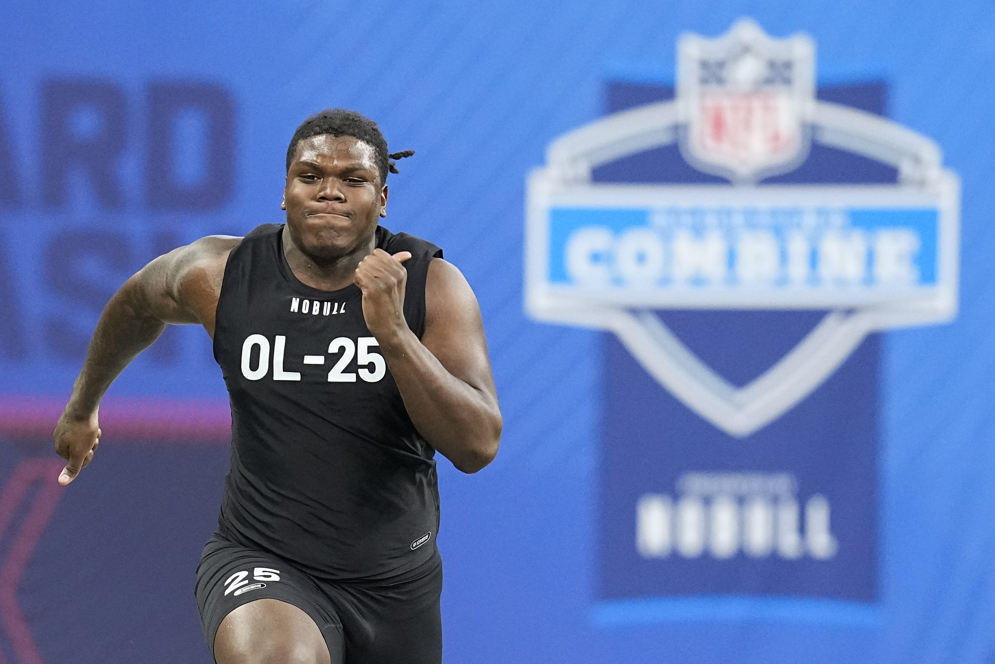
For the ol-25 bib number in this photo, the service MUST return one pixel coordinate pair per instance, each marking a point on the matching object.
(371, 366)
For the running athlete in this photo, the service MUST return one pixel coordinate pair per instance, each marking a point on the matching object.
(351, 354)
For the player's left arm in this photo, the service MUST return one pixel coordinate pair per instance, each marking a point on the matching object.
(445, 378)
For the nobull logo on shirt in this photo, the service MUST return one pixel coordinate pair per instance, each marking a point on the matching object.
(743, 239)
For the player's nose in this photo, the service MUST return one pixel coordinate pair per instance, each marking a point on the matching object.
(331, 189)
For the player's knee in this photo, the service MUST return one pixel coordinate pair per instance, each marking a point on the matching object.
(271, 651)
(269, 632)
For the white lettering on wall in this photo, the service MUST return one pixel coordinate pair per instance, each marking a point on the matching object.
(832, 258)
(732, 513)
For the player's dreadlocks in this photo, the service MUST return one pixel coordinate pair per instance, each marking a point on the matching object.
(340, 122)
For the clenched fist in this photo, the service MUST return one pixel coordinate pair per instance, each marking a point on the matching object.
(76, 439)
(382, 279)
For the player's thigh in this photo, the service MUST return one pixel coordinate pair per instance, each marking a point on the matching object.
(399, 623)
(232, 584)
(270, 631)
(413, 639)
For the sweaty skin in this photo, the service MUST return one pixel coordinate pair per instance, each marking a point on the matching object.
(333, 199)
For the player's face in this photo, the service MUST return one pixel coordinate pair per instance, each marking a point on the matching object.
(333, 197)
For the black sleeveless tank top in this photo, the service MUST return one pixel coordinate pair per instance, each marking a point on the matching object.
(327, 471)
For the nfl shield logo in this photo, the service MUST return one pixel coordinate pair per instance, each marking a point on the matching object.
(746, 100)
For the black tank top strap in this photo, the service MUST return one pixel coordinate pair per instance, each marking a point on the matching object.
(263, 229)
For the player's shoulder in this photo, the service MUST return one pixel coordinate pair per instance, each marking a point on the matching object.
(221, 245)
(446, 288)
(206, 256)
(208, 249)
(215, 244)
(443, 272)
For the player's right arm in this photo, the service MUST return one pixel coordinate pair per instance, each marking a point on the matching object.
(182, 288)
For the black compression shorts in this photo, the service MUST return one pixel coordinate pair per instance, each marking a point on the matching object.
(368, 622)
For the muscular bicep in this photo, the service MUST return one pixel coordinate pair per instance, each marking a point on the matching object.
(454, 331)
(182, 287)
(154, 296)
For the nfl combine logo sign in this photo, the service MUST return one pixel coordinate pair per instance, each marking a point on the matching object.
(728, 481)
(746, 102)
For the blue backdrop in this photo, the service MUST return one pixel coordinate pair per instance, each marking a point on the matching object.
(128, 128)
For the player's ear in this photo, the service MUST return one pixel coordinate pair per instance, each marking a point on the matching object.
(283, 203)
(383, 201)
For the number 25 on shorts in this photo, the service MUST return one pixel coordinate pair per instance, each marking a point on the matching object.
(240, 579)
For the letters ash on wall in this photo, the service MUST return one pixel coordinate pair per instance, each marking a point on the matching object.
(741, 240)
